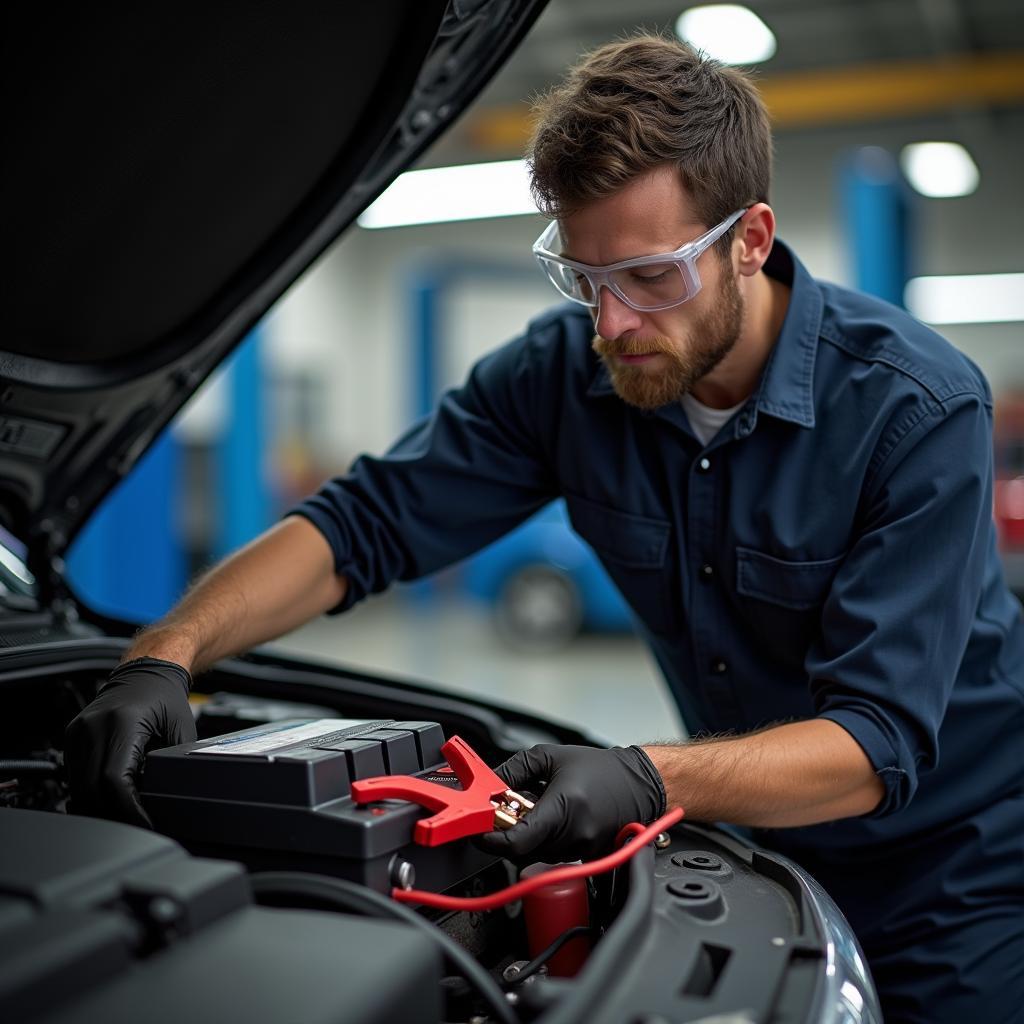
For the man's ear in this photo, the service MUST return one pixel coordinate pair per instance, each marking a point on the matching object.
(755, 233)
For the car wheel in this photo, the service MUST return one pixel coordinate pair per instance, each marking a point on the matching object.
(538, 608)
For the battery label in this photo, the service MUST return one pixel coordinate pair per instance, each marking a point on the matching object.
(281, 735)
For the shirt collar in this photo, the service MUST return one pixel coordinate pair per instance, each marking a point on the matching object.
(786, 389)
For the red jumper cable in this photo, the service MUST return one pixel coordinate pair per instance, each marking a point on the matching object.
(483, 804)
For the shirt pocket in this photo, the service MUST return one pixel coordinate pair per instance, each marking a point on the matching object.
(784, 599)
(634, 549)
(794, 585)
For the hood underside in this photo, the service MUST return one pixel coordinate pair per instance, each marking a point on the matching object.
(169, 172)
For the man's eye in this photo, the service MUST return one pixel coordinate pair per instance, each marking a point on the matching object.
(656, 278)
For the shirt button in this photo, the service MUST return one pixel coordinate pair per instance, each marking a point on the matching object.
(719, 667)
(707, 572)
(704, 466)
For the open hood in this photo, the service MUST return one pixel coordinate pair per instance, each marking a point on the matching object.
(169, 172)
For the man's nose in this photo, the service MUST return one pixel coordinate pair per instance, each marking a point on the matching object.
(614, 317)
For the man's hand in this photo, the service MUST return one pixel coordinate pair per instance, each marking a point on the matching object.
(143, 704)
(278, 581)
(591, 794)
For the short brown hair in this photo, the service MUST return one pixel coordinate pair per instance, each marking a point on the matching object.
(633, 105)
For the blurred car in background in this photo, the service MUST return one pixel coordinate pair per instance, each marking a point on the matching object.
(545, 585)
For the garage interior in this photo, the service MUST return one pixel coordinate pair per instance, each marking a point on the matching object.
(389, 317)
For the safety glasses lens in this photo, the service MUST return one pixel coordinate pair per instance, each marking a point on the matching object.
(570, 283)
(651, 285)
(648, 286)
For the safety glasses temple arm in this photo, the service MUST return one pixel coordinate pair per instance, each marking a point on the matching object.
(716, 232)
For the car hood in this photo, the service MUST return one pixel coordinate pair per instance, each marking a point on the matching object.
(169, 172)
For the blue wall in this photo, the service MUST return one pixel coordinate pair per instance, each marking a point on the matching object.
(130, 560)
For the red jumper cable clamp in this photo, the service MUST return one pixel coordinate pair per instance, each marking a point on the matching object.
(483, 804)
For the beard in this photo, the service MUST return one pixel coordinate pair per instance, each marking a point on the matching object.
(711, 339)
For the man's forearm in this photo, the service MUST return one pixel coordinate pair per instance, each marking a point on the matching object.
(274, 584)
(800, 773)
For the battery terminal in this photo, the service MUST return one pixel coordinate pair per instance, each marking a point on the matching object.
(510, 808)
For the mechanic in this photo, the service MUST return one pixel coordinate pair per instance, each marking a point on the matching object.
(789, 481)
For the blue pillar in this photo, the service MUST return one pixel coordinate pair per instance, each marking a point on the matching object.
(129, 561)
(244, 500)
(876, 203)
(425, 293)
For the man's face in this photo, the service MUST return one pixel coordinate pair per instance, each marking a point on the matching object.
(654, 358)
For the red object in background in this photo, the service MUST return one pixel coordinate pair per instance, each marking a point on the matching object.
(1008, 496)
(460, 812)
(551, 910)
(1009, 512)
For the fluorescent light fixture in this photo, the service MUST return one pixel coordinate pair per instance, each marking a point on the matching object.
(967, 298)
(728, 32)
(939, 170)
(466, 192)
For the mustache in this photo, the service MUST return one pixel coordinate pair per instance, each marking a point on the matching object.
(634, 346)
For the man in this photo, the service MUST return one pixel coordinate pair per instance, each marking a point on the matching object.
(791, 484)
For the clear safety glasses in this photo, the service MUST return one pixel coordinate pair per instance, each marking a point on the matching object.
(645, 283)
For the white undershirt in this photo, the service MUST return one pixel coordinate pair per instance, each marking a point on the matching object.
(705, 421)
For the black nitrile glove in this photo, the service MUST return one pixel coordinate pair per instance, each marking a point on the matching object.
(591, 794)
(143, 705)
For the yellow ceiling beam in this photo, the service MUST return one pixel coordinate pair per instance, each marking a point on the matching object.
(867, 92)
(870, 92)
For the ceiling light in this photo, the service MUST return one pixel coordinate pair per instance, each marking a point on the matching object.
(466, 192)
(939, 169)
(967, 298)
(728, 32)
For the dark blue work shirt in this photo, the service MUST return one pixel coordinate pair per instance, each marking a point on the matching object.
(830, 552)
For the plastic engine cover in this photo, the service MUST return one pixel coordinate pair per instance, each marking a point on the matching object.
(101, 922)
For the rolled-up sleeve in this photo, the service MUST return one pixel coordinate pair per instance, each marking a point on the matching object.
(897, 619)
(451, 484)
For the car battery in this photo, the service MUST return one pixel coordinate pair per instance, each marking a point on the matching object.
(277, 797)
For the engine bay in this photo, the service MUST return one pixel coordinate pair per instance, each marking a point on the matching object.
(257, 835)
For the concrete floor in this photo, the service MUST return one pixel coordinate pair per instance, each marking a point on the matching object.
(608, 684)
